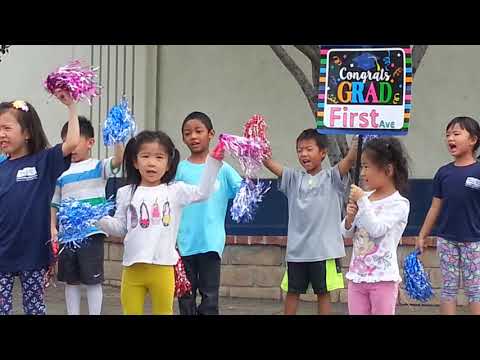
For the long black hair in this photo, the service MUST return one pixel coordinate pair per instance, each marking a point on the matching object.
(384, 151)
(131, 174)
(30, 123)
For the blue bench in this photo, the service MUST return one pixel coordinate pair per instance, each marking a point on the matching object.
(272, 216)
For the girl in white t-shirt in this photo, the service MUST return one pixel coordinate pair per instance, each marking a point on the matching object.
(376, 220)
(148, 215)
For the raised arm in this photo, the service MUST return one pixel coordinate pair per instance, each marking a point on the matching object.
(274, 167)
(72, 139)
(188, 194)
(118, 156)
(348, 161)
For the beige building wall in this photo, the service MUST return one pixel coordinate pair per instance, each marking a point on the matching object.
(233, 82)
(25, 67)
(445, 86)
(22, 72)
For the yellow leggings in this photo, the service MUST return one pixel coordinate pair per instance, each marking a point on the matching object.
(158, 280)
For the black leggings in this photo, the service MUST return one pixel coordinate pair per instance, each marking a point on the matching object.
(203, 272)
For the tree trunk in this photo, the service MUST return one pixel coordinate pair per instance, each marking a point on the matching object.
(310, 91)
(418, 53)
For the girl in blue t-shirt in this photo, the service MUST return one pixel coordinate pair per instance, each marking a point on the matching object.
(27, 183)
(456, 199)
(201, 237)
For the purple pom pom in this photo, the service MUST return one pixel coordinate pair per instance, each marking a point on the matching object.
(250, 153)
(79, 81)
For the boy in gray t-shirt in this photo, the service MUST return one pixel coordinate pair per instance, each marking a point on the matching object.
(314, 207)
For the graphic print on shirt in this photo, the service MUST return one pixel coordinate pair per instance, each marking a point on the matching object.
(27, 174)
(472, 183)
(156, 213)
(368, 254)
(166, 214)
(362, 248)
(312, 188)
(144, 220)
(133, 216)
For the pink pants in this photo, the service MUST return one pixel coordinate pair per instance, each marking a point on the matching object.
(372, 298)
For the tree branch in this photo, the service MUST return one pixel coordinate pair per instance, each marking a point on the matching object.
(418, 53)
(298, 74)
(337, 145)
(342, 144)
(3, 50)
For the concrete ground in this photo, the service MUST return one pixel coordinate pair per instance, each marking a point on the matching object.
(228, 306)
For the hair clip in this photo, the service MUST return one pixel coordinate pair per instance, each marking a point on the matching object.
(20, 105)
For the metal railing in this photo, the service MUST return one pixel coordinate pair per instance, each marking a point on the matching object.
(116, 76)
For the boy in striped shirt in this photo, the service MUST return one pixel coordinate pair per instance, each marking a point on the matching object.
(85, 180)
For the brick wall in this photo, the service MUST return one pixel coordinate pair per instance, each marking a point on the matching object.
(113, 261)
(253, 267)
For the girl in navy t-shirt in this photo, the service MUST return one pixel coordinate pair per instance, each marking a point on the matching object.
(456, 200)
(27, 183)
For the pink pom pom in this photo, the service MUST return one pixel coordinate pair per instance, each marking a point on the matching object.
(248, 152)
(78, 80)
(182, 284)
(217, 153)
(251, 149)
(256, 128)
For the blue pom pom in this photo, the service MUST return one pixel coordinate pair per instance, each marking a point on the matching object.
(119, 125)
(77, 220)
(417, 283)
(367, 138)
(247, 200)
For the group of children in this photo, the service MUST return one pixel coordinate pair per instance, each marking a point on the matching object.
(170, 208)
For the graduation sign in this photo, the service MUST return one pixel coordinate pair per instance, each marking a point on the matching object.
(365, 91)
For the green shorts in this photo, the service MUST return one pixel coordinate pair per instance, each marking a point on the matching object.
(323, 276)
